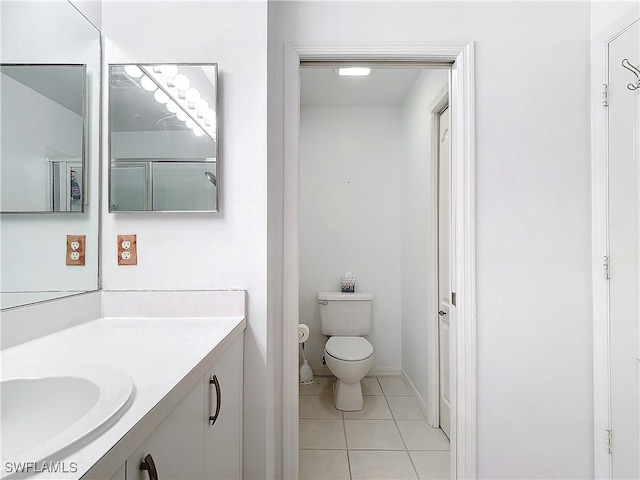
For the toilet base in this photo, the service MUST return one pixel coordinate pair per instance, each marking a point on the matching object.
(348, 396)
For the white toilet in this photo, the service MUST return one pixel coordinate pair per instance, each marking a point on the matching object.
(346, 318)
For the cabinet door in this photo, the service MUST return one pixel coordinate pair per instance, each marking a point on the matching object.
(176, 445)
(223, 439)
(120, 474)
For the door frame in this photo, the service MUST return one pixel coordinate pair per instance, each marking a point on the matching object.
(433, 347)
(600, 245)
(463, 320)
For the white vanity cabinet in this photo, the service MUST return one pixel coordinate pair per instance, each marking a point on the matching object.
(185, 445)
(223, 439)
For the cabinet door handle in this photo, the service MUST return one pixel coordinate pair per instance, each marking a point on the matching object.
(214, 381)
(150, 467)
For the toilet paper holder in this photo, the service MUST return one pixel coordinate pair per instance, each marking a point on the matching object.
(303, 333)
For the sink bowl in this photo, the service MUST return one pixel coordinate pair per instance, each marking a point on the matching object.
(52, 413)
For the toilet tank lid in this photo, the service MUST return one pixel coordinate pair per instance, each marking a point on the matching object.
(344, 296)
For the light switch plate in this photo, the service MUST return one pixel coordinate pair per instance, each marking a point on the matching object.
(127, 250)
(75, 249)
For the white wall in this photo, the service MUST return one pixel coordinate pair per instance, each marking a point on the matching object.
(535, 414)
(219, 251)
(91, 9)
(350, 190)
(604, 13)
(178, 145)
(419, 243)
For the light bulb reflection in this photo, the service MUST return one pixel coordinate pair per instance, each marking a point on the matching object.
(181, 82)
(148, 84)
(181, 115)
(169, 70)
(172, 106)
(133, 71)
(202, 105)
(192, 95)
(160, 96)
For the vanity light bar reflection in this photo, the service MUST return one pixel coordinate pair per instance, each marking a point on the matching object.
(172, 88)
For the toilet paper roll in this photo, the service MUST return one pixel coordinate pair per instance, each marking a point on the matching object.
(303, 333)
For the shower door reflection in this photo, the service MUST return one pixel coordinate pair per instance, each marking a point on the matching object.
(129, 186)
(66, 185)
(154, 185)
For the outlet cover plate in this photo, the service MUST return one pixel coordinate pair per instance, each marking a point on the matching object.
(75, 249)
(127, 250)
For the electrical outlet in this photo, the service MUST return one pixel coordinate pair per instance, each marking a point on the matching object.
(75, 249)
(127, 250)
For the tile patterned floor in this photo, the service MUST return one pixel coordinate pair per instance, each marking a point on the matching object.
(389, 439)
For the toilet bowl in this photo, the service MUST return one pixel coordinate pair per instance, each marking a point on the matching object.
(349, 359)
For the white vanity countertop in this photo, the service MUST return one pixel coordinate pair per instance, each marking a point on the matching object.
(165, 357)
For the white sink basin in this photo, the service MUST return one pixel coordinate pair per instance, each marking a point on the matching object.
(52, 413)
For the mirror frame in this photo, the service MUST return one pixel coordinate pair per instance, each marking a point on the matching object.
(85, 120)
(216, 140)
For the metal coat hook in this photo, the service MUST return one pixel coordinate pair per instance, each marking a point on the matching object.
(634, 70)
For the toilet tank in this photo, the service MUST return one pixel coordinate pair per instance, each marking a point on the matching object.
(345, 314)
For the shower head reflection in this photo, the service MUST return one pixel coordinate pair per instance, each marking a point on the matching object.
(211, 177)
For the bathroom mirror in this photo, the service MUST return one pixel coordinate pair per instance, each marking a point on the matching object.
(42, 112)
(163, 138)
(50, 77)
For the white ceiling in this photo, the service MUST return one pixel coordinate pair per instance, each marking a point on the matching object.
(322, 86)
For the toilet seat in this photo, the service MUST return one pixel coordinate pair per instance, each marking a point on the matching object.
(349, 348)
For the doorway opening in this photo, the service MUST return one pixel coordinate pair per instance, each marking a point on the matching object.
(368, 205)
(462, 249)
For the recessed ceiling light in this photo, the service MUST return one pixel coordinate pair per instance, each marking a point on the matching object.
(354, 71)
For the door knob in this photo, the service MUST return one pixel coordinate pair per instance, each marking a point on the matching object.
(442, 313)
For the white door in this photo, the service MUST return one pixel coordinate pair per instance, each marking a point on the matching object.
(624, 252)
(444, 276)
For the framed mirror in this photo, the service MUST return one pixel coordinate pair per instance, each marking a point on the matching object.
(163, 132)
(43, 116)
(50, 150)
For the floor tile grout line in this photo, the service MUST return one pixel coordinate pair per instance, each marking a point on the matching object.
(346, 442)
(393, 417)
(415, 469)
(406, 449)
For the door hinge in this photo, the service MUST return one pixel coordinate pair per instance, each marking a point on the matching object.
(606, 267)
(607, 441)
(605, 95)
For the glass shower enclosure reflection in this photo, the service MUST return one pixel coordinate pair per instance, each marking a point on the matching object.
(162, 185)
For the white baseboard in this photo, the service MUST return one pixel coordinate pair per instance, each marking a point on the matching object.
(421, 403)
(321, 372)
(384, 371)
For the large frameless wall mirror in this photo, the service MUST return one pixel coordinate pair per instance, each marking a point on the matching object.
(163, 138)
(49, 155)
